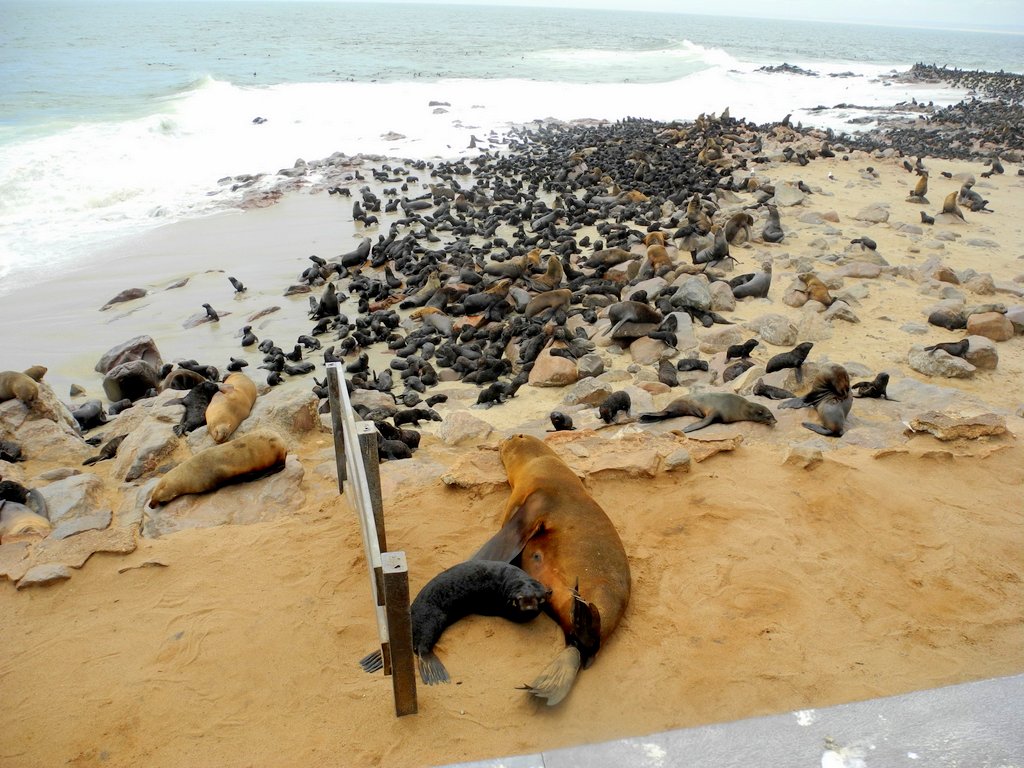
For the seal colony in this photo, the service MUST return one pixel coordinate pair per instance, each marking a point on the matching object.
(565, 244)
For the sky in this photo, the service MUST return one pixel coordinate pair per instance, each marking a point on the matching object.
(950, 14)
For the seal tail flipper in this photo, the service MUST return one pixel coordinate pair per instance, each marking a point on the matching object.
(555, 682)
(820, 429)
(655, 416)
(373, 662)
(432, 671)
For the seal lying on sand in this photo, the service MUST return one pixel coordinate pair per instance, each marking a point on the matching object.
(246, 457)
(561, 537)
(482, 587)
(723, 407)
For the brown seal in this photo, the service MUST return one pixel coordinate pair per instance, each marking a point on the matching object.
(831, 397)
(712, 407)
(815, 289)
(249, 456)
(657, 237)
(230, 407)
(16, 385)
(557, 298)
(564, 540)
(738, 225)
(658, 256)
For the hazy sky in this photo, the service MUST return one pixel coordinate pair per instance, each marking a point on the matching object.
(942, 13)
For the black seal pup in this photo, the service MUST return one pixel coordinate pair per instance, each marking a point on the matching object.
(712, 407)
(874, 388)
(196, 402)
(482, 587)
(793, 359)
(613, 405)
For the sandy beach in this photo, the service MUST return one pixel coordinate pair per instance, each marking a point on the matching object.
(762, 582)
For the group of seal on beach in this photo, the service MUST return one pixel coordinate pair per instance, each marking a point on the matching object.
(467, 265)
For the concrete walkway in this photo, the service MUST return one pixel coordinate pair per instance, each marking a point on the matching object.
(974, 725)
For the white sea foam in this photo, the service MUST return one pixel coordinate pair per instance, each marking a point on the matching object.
(63, 193)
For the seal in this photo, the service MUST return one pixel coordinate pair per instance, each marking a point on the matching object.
(772, 232)
(772, 393)
(230, 406)
(874, 388)
(17, 521)
(15, 385)
(181, 378)
(476, 587)
(741, 351)
(196, 402)
(712, 407)
(793, 359)
(613, 405)
(737, 228)
(815, 289)
(561, 537)
(830, 395)
(622, 312)
(246, 458)
(955, 348)
(557, 298)
(108, 451)
(754, 284)
(562, 422)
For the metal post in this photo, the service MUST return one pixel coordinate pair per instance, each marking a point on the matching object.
(396, 591)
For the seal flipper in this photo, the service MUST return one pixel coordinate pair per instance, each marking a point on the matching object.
(432, 671)
(508, 542)
(555, 682)
(820, 429)
(373, 662)
(705, 422)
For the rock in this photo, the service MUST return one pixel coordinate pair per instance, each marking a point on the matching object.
(814, 327)
(77, 496)
(685, 337)
(722, 298)
(138, 348)
(679, 459)
(992, 325)
(859, 269)
(774, 329)
(875, 214)
(693, 291)
(831, 216)
(590, 365)
(291, 412)
(473, 469)
(257, 501)
(803, 456)
(551, 371)
(128, 294)
(41, 575)
(983, 285)
(590, 392)
(938, 363)
(1016, 317)
(12, 559)
(914, 328)
(840, 310)
(370, 398)
(720, 339)
(982, 353)
(133, 379)
(96, 522)
(640, 400)
(646, 351)
(144, 449)
(788, 195)
(461, 426)
(947, 426)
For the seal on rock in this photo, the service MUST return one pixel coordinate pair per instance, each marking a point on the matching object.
(712, 407)
(230, 406)
(246, 457)
(874, 388)
(480, 587)
(561, 537)
(15, 385)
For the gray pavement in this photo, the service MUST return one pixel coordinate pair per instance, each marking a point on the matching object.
(974, 725)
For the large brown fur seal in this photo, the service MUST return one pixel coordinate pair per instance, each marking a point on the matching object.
(562, 538)
(247, 456)
(230, 407)
(712, 407)
(481, 587)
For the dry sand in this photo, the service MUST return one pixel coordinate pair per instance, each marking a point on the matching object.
(759, 587)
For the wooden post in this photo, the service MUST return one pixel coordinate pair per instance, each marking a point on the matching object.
(335, 380)
(403, 667)
(367, 432)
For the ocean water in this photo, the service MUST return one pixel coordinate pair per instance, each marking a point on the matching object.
(116, 117)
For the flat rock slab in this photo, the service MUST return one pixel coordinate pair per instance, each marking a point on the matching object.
(41, 575)
(957, 427)
(96, 522)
